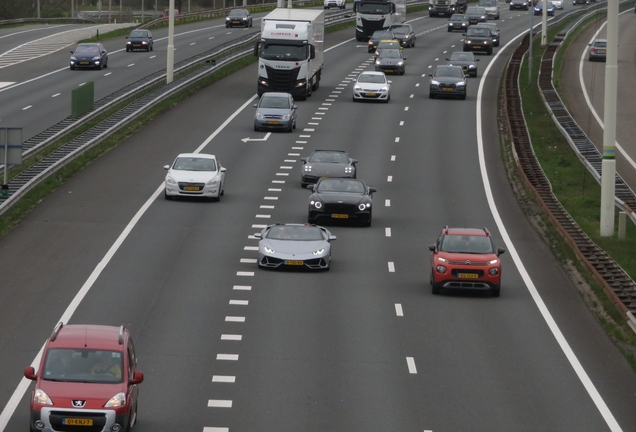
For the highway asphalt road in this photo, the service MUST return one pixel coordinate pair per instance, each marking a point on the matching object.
(363, 347)
(585, 78)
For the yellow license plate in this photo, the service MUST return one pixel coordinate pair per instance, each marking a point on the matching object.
(77, 422)
(84, 63)
(272, 122)
(294, 262)
(340, 216)
(477, 46)
(371, 94)
(468, 276)
(192, 188)
(236, 22)
(601, 51)
(390, 70)
(447, 89)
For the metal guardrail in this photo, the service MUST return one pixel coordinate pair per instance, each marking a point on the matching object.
(46, 21)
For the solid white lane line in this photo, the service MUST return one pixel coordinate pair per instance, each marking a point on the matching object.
(239, 302)
(411, 364)
(398, 309)
(387, 232)
(230, 357)
(233, 337)
(242, 287)
(391, 267)
(217, 403)
(244, 273)
(248, 260)
(223, 378)
(234, 319)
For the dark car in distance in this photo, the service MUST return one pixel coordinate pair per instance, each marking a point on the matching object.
(390, 61)
(326, 163)
(448, 81)
(238, 18)
(476, 14)
(341, 200)
(89, 56)
(139, 40)
(478, 38)
(518, 4)
(458, 22)
(404, 34)
(466, 60)
(494, 33)
(377, 36)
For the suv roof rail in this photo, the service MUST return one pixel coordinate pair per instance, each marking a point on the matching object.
(56, 330)
(121, 335)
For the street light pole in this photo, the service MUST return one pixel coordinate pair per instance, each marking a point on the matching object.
(544, 22)
(608, 167)
(170, 56)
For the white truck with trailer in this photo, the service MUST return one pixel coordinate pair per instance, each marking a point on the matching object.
(372, 15)
(291, 51)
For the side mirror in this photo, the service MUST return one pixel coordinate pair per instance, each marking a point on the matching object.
(390, 82)
(303, 159)
(403, 58)
(430, 75)
(312, 52)
(354, 161)
(332, 237)
(166, 167)
(29, 373)
(258, 235)
(447, 59)
(463, 34)
(311, 187)
(476, 59)
(257, 45)
(71, 52)
(138, 378)
(372, 189)
(223, 169)
(255, 105)
(500, 251)
(294, 106)
(126, 37)
(432, 248)
(466, 75)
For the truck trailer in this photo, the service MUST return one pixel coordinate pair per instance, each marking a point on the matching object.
(291, 52)
(372, 15)
(446, 7)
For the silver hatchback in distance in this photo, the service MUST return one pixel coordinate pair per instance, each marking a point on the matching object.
(598, 50)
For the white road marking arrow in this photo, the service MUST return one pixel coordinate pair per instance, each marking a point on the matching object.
(257, 139)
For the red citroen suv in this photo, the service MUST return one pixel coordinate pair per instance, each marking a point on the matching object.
(465, 258)
(87, 379)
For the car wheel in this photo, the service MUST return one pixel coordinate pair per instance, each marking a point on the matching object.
(72, 67)
(496, 291)
(435, 289)
(431, 96)
(152, 48)
(166, 196)
(450, 30)
(311, 220)
(490, 51)
(402, 72)
(290, 127)
(413, 43)
(147, 49)
(294, 124)
(100, 67)
(256, 128)
(368, 222)
(127, 50)
(106, 64)
(463, 97)
(303, 184)
(388, 98)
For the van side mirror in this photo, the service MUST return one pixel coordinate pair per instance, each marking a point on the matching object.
(257, 45)
(138, 378)
(312, 52)
(29, 373)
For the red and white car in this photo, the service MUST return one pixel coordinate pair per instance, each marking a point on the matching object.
(86, 380)
(465, 258)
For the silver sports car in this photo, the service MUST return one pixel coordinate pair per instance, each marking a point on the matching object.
(295, 246)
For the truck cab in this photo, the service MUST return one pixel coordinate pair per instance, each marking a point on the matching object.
(372, 15)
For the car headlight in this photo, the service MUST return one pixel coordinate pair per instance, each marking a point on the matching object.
(170, 180)
(407, 36)
(363, 206)
(268, 250)
(434, 82)
(118, 400)
(144, 43)
(96, 58)
(319, 251)
(370, 42)
(440, 269)
(286, 117)
(307, 168)
(384, 89)
(227, 18)
(316, 204)
(213, 181)
(357, 88)
(483, 17)
(40, 397)
(259, 115)
(348, 170)
(468, 41)
(463, 24)
(461, 83)
(244, 18)
(377, 62)
(493, 271)
(129, 43)
(73, 58)
(400, 63)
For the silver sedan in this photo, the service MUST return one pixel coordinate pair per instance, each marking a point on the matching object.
(372, 86)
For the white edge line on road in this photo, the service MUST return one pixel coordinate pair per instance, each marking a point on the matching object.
(589, 102)
(554, 328)
(23, 386)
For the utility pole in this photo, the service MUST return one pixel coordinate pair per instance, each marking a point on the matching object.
(608, 167)
(170, 56)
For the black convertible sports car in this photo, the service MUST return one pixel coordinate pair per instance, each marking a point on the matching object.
(326, 163)
(340, 199)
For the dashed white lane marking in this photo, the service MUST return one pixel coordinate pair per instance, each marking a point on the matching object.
(193, 43)
(391, 267)
(320, 113)
(274, 189)
(244, 273)
(130, 65)
(326, 104)
(389, 179)
(27, 107)
(235, 319)
(269, 207)
(309, 130)
(387, 232)
(263, 216)
(314, 123)
(223, 378)
(406, 108)
(331, 100)
(293, 154)
(282, 174)
(81, 84)
(261, 226)
(239, 302)
(398, 309)
(108, 73)
(216, 429)
(233, 337)
(211, 38)
(252, 248)
(411, 96)
(387, 203)
(320, 108)
(248, 260)
(242, 287)
(229, 357)
(286, 167)
(56, 95)
(304, 136)
(270, 198)
(392, 158)
(153, 56)
(278, 181)
(217, 403)
(397, 139)
(411, 364)
(418, 84)
(402, 123)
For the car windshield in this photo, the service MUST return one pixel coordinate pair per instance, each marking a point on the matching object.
(194, 164)
(385, 45)
(454, 72)
(372, 78)
(138, 34)
(238, 13)
(341, 185)
(466, 244)
(87, 49)
(487, 2)
(475, 11)
(600, 44)
(478, 32)
(390, 53)
(83, 365)
(297, 233)
(284, 52)
(274, 102)
(328, 157)
(461, 57)
(405, 28)
(382, 35)
(375, 8)
(458, 17)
